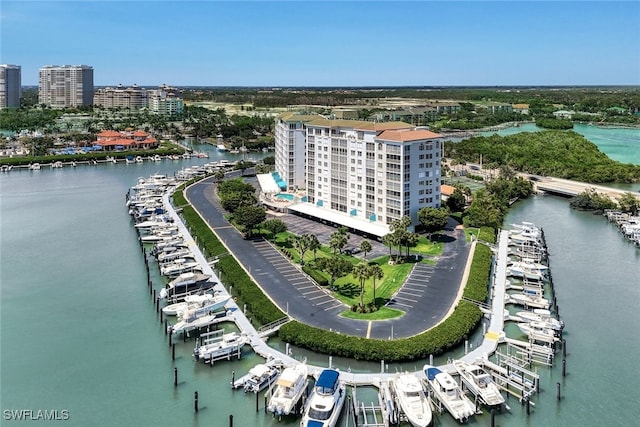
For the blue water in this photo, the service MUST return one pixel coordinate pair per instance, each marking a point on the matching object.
(285, 196)
(78, 330)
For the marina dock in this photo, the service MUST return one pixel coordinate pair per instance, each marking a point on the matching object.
(509, 365)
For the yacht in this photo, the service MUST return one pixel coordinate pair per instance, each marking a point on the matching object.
(178, 266)
(539, 331)
(290, 387)
(218, 345)
(479, 383)
(449, 394)
(260, 377)
(186, 284)
(528, 270)
(411, 398)
(539, 315)
(325, 401)
(221, 147)
(196, 318)
(528, 300)
(177, 253)
(191, 302)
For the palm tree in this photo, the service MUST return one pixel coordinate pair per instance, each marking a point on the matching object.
(338, 240)
(302, 243)
(376, 274)
(365, 247)
(361, 272)
(314, 244)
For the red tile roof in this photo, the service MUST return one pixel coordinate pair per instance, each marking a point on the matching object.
(408, 135)
(109, 134)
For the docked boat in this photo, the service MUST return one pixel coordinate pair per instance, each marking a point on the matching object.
(539, 315)
(177, 253)
(179, 266)
(528, 270)
(479, 383)
(539, 331)
(290, 387)
(260, 377)
(221, 147)
(526, 300)
(186, 284)
(411, 399)
(325, 401)
(34, 167)
(447, 391)
(197, 318)
(218, 345)
(191, 302)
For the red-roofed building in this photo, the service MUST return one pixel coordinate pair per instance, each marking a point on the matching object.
(129, 140)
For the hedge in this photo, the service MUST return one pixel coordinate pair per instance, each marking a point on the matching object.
(316, 276)
(451, 332)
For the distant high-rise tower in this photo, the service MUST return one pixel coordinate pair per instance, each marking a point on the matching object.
(66, 85)
(10, 86)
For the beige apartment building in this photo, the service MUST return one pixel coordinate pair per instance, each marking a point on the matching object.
(65, 86)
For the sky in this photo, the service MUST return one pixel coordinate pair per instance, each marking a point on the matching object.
(327, 43)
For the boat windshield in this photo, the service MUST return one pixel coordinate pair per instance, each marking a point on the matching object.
(319, 414)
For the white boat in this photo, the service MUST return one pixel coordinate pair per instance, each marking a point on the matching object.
(179, 266)
(186, 284)
(261, 376)
(196, 318)
(411, 398)
(528, 270)
(221, 147)
(539, 315)
(34, 166)
(139, 159)
(290, 387)
(449, 393)
(196, 301)
(479, 383)
(165, 256)
(56, 165)
(534, 301)
(539, 331)
(325, 401)
(218, 345)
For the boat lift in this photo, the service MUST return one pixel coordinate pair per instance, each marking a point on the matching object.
(370, 415)
(509, 372)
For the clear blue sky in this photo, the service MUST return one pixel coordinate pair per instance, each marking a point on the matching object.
(327, 43)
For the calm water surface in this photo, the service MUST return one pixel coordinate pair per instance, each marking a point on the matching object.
(78, 331)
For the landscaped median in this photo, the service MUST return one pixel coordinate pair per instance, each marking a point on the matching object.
(451, 332)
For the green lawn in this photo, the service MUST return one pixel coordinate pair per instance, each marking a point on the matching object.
(383, 313)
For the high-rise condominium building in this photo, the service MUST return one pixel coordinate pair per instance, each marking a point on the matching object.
(10, 86)
(132, 98)
(358, 173)
(165, 103)
(66, 86)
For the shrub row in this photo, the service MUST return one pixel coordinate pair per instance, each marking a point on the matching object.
(478, 281)
(487, 234)
(247, 292)
(96, 155)
(316, 276)
(447, 335)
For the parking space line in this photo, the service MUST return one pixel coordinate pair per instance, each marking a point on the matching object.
(406, 299)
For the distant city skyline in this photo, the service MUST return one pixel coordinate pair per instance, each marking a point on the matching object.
(326, 43)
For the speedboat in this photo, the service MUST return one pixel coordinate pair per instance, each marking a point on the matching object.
(186, 284)
(527, 300)
(217, 345)
(411, 398)
(260, 377)
(196, 318)
(177, 253)
(290, 387)
(196, 301)
(325, 401)
(479, 383)
(449, 393)
(528, 270)
(221, 147)
(539, 331)
(179, 266)
(539, 315)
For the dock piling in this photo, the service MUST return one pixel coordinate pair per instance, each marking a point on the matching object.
(233, 378)
(230, 420)
(175, 377)
(493, 418)
(173, 352)
(528, 403)
(558, 396)
(195, 401)
(564, 348)
(257, 402)
(564, 367)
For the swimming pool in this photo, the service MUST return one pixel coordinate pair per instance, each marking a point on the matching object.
(285, 196)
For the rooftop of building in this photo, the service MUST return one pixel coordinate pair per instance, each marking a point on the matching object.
(403, 135)
(358, 124)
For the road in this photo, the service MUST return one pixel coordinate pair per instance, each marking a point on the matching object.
(426, 296)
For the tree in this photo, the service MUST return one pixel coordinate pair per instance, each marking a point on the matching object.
(302, 244)
(628, 203)
(262, 168)
(314, 244)
(242, 165)
(361, 272)
(274, 226)
(411, 240)
(433, 219)
(485, 210)
(249, 216)
(338, 240)
(218, 175)
(389, 240)
(456, 201)
(365, 247)
(335, 266)
(376, 274)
